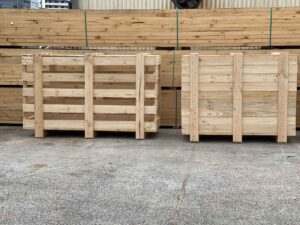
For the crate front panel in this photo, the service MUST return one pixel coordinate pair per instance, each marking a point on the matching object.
(114, 93)
(259, 95)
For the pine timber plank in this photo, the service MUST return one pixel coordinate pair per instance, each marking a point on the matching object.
(237, 98)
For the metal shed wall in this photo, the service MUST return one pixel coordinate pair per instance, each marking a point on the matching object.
(249, 3)
(125, 4)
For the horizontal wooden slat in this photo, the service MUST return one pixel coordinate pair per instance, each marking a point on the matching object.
(78, 125)
(250, 108)
(227, 95)
(79, 77)
(103, 60)
(99, 93)
(260, 86)
(247, 78)
(104, 109)
(123, 60)
(266, 126)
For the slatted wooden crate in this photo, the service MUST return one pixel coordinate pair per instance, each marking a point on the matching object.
(239, 95)
(99, 98)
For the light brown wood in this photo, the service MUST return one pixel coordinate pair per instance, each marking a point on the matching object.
(93, 104)
(38, 96)
(11, 74)
(237, 122)
(10, 105)
(89, 95)
(194, 97)
(199, 27)
(157, 89)
(283, 83)
(140, 96)
(239, 106)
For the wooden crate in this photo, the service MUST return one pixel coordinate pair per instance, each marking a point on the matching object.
(170, 77)
(239, 95)
(106, 100)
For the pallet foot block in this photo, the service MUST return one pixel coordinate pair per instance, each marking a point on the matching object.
(95, 93)
(239, 95)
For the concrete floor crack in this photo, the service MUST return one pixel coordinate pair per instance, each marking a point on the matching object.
(182, 193)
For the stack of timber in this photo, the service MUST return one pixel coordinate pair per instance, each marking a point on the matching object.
(166, 28)
(100, 98)
(239, 95)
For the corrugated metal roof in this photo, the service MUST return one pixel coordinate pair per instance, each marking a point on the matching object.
(167, 4)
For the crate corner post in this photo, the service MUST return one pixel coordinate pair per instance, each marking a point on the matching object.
(237, 97)
(89, 95)
(194, 97)
(140, 96)
(283, 89)
(38, 96)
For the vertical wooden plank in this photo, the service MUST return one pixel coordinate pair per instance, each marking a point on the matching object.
(140, 96)
(38, 96)
(25, 85)
(194, 97)
(237, 120)
(157, 91)
(283, 83)
(89, 95)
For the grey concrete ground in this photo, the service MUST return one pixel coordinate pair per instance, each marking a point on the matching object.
(114, 179)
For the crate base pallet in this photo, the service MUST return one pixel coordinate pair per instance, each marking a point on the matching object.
(94, 100)
(239, 95)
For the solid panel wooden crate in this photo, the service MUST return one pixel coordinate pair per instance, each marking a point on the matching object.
(107, 100)
(239, 95)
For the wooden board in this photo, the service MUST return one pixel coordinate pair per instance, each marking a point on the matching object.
(199, 27)
(170, 112)
(298, 109)
(102, 98)
(10, 105)
(239, 95)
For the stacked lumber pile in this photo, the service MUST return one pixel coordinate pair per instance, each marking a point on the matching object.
(169, 28)
(239, 95)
